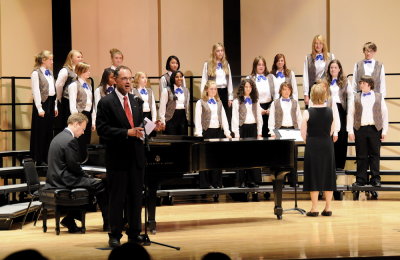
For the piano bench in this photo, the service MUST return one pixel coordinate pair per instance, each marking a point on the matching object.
(64, 199)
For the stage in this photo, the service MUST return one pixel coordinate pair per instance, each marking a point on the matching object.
(242, 230)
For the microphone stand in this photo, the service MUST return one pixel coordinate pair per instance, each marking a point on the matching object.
(146, 239)
(301, 211)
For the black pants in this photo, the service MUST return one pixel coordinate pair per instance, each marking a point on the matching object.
(42, 130)
(223, 95)
(126, 188)
(368, 152)
(211, 177)
(96, 188)
(249, 175)
(341, 143)
(265, 118)
(178, 124)
(84, 139)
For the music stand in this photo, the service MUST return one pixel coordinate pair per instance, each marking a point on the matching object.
(146, 239)
(296, 208)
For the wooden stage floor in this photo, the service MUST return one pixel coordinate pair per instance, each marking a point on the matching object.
(247, 230)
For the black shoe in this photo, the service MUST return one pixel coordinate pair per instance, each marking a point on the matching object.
(113, 242)
(242, 185)
(376, 183)
(358, 184)
(312, 214)
(138, 239)
(326, 213)
(252, 185)
(71, 225)
(207, 187)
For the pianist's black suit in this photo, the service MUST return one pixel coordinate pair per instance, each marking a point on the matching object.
(65, 172)
(124, 162)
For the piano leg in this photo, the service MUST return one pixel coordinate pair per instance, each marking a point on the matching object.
(278, 181)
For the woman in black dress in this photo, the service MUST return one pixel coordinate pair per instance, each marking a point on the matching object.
(319, 159)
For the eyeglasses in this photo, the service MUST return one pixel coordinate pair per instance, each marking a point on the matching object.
(125, 79)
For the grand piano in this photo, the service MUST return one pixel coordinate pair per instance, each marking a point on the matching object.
(177, 155)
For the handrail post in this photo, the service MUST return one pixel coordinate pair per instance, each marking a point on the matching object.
(13, 118)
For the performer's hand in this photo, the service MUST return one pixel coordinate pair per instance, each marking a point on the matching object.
(306, 100)
(55, 113)
(351, 137)
(41, 114)
(383, 137)
(273, 136)
(267, 112)
(230, 103)
(159, 126)
(335, 138)
(259, 136)
(229, 136)
(93, 128)
(136, 132)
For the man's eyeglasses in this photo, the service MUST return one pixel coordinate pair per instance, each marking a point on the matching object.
(125, 79)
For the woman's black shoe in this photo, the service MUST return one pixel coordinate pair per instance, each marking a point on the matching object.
(312, 214)
(326, 213)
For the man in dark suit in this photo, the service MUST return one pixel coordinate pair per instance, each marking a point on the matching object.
(65, 172)
(119, 116)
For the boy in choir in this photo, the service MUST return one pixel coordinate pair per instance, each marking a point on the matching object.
(211, 122)
(370, 67)
(285, 111)
(146, 94)
(367, 124)
(247, 122)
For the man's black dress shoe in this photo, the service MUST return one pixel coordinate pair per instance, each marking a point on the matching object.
(312, 214)
(376, 183)
(71, 225)
(358, 184)
(152, 227)
(252, 185)
(139, 239)
(242, 185)
(326, 213)
(113, 242)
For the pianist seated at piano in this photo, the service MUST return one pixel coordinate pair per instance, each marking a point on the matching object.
(247, 122)
(211, 122)
(65, 172)
(284, 111)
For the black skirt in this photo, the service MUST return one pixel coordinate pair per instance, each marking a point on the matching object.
(42, 130)
(178, 124)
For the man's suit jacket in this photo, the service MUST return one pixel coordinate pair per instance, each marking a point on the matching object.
(112, 124)
(64, 170)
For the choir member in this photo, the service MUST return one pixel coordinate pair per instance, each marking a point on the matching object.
(141, 90)
(116, 58)
(173, 64)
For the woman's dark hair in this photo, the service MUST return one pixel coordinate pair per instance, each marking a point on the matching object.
(104, 78)
(341, 79)
(286, 71)
(167, 67)
(253, 94)
(172, 82)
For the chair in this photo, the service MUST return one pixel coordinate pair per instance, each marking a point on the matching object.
(33, 183)
(64, 199)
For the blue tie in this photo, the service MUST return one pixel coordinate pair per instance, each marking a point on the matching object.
(47, 73)
(85, 86)
(319, 57)
(178, 91)
(286, 99)
(109, 90)
(367, 61)
(280, 75)
(211, 101)
(333, 82)
(143, 91)
(219, 65)
(248, 101)
(261, 77)
(366, 94)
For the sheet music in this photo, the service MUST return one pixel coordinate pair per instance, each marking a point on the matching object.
(290, 134)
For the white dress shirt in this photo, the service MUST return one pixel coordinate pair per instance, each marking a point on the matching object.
(319, 70)
(180, 102)
(214, 123)
(146, 104)
(335, 92)
(250, 119)
(368, 69)
(37, 99)
(73, 92)
(220, 79)
(264, 92)
(367, 116)
(287, 115)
